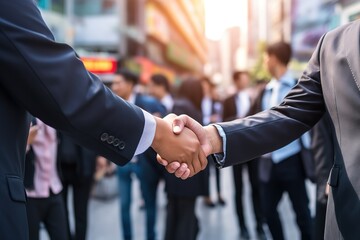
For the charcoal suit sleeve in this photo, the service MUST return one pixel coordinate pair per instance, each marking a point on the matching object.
(269, 130)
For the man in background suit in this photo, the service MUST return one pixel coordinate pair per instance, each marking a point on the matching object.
(48, 80)
(123, 85)
(281, 171)
(159, 87)
(238, 106)
(329, 84)
(212, 109)
(77, 168)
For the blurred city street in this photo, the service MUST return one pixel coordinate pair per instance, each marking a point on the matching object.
(97, 82)
(215, 223)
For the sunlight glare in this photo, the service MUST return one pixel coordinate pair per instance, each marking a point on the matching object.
(220, 15)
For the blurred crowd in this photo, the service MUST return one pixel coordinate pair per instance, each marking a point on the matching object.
(54, 162)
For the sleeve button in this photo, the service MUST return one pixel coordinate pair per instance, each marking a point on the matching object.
(110, 139)
(121, 145)
(116, 142)
(104, 137)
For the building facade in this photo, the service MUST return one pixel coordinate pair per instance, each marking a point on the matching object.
(149, 36)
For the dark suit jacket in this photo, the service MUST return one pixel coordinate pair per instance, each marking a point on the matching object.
(229, 110)
(323, 150)
(48, 80)
(84, 159)
(330, 82)
(150, 104)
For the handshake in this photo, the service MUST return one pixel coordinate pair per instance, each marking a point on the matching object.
(183, 144)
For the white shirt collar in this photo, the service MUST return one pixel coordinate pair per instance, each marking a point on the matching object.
(132, 98)
(168, 102)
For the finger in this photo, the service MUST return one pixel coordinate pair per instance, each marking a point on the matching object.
(185, 121)
(161, 161)
(172, 167)
(196, 163)
(181, 170)
(170, 116)
(179, 123)
(186, 174)
(191, 168)
(203, 160)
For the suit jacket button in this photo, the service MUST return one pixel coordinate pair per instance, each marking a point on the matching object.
(116, 142)
(104, 137)
(121, 145)
(110, 139)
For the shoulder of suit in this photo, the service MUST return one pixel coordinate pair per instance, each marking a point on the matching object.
(342, 29)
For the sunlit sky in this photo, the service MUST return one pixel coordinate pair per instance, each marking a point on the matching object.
(220, 15)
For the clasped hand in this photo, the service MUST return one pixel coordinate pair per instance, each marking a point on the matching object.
(183, 144)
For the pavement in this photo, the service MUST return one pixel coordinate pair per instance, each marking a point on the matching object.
(218, 223)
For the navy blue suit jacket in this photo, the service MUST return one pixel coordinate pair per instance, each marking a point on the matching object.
(48, 80)
(150, 104)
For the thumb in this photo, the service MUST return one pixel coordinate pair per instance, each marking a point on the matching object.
(161, 161)
(179, 123)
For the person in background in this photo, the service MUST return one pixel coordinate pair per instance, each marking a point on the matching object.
(77, 166)
(238, 106)
(181, 220)
(212, 112)
(282, 170)
(43, 186)
(159, 87)
(142, 166)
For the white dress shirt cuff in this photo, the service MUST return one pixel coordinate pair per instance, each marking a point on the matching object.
(220, 157)
(148, 134)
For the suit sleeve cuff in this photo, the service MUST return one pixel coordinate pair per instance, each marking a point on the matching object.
(219, 158)
(148, 134)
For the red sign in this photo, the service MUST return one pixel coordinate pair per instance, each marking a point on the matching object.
(100, 65)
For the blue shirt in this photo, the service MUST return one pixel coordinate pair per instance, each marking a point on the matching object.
(284, 84)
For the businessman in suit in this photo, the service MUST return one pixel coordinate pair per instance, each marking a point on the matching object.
(48, 80)
(281, 171)
(329, 84)
(77, 167)
(144, 166)
(238, 106)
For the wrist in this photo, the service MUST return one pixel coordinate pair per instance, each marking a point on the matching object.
(214, 138)
(158, 137)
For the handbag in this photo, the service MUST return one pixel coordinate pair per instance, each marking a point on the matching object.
(106, 188)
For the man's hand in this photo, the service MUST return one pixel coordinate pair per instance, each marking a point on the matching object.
(178, 149)
(182, 121)
(32, 134)
(208, 136)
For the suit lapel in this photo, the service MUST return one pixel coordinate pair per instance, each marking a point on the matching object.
(353, 53)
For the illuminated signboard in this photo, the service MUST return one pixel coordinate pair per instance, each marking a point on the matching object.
(99, 65)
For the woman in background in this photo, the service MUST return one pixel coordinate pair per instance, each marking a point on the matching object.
(181, 220)
(43, 186)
